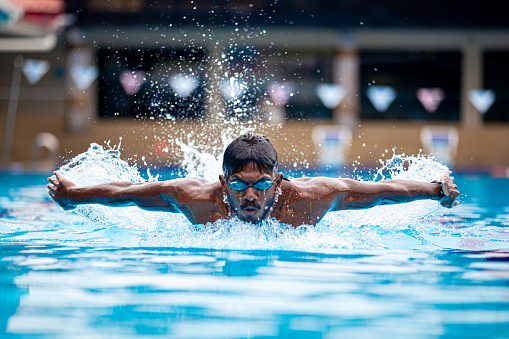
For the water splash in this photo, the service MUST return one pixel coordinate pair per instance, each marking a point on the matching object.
(207, 164)
(199, 164)
(388, 226)
(417, 168)
(100, 165)
(235, 64)
(215, 78)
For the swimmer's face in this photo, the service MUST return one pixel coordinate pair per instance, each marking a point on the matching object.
(251, 192)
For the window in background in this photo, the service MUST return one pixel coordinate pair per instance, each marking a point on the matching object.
(496, 75)
(151, 83)
(410, 85)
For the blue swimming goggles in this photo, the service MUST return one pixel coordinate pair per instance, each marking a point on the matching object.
(238, 185)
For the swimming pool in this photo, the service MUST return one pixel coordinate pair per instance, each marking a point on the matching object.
(406, 271)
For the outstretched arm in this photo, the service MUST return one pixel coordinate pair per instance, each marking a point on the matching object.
(359, 194)
(151, 196)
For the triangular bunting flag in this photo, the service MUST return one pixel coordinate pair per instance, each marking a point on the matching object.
(34, 70)
(330, 94)
(280, 92)
(233, 88)
(430, 98)
(132, 81)
(482, 99)
(83, 76)
(184, 85)
(381, 97)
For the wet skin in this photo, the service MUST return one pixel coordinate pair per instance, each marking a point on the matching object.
(251, 204)
(302, 201)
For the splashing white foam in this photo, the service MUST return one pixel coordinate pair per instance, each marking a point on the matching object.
(416, 168)
(375, 228)
(207, 164)
(199, 164)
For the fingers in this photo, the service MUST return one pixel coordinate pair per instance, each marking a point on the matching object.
(53, 180)
(449, 201)
(52, 190)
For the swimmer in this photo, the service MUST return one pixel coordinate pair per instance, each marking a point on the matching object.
(252, 189)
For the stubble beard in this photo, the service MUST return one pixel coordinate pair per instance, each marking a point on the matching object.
(265, 210)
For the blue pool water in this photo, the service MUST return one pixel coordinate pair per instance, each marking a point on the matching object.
(407, 271)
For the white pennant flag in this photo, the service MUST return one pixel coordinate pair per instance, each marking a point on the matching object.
(233, 88)
(34, 70)
(330, 94)
(482, 99)
(381, 97)
(84, 76)
(184, 85)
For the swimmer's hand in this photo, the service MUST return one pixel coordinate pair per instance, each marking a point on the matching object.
(449, 200)
(59, 189)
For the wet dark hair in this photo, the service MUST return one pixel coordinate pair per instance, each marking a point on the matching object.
(246, 149)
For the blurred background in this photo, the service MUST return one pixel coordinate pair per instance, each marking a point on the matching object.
(331, 83)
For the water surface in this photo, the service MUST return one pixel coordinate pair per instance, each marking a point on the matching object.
(412, 270)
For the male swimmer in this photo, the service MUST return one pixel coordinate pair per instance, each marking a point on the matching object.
(251, 189)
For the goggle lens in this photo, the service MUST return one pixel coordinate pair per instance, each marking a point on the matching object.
(238, 186)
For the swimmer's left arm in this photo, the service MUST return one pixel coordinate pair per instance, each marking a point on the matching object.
(360, 194)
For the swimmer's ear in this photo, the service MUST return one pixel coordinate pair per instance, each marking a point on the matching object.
(279, 179)
(222, 180)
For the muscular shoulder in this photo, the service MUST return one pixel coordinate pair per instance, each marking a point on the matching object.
(306, 200)
(199, 200)
(316, 187)
(185, 189)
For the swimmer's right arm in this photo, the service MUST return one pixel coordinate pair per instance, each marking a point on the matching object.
(149, 196)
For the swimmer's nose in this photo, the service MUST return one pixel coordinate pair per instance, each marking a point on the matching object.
(250, 195)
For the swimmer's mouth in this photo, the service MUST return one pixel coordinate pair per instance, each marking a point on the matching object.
(249, 210)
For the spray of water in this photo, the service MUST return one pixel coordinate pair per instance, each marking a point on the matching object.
(242, 101)
(374, 228)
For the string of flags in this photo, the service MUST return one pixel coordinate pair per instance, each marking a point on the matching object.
(331, 95)
(383, 96)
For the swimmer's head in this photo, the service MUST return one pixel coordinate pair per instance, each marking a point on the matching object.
(250, 181)
(250, 148)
